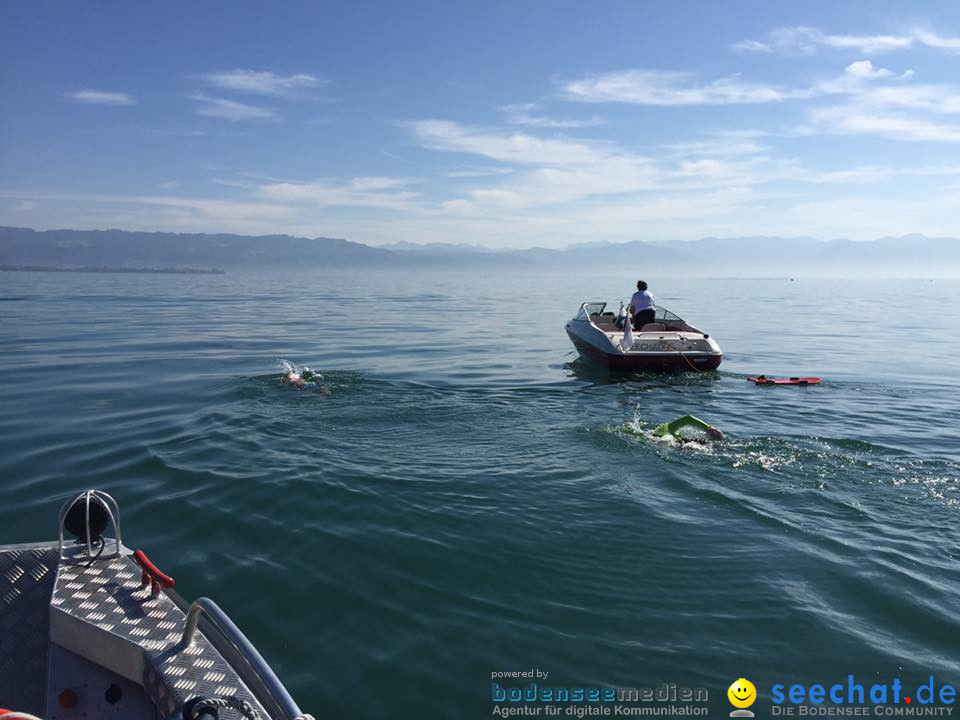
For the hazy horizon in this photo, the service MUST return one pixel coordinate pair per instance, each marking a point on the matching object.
(410, 243)
(117, 250)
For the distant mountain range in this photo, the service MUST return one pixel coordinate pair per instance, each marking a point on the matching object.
(405, 246)
(907, 256)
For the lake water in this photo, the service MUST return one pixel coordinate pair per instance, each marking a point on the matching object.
(469, 498)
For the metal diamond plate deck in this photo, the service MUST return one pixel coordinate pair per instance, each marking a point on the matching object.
(26, 582)
(143, 634)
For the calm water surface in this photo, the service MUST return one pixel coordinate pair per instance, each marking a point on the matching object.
(470, 498)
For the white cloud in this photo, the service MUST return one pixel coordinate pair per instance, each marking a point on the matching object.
(558, 171)
(521, 114)
(100, 97)
(555, 170)
(659, 87)
(230, 109)
(369, 192)
(234, 183)
(155, 212)
(854, 80)
(260, 82)
(864, 70)
(476, 171)
(853, 121)
(722, 144)
(509, 147)
(163, 132)
(868, 174)
(570, 177)
(168, 185)
(808, 40)
(933, 40)
(880, 104)
(557, 186)
(860, 78)
(751, 46)
(858, 175)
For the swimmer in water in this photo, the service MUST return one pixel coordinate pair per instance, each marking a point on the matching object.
(300, 379)
(293, 378)
(715, 434)
(674, 428)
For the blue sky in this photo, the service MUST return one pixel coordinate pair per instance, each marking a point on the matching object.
(507, 124)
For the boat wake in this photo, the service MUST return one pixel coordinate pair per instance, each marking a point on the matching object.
(808, 461)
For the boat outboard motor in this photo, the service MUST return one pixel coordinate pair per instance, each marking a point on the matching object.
(87, 517)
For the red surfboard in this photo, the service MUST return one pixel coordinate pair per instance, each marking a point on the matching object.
(764, 380)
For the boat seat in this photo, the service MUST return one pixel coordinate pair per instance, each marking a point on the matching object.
(653, 327)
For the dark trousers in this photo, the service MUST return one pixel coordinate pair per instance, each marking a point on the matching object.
(643, 317)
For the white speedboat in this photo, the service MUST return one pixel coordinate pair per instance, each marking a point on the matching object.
(668, 343)
(92, 630)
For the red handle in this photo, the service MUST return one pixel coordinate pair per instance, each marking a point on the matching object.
(150, 570)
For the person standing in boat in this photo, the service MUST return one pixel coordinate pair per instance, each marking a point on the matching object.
(642, 308)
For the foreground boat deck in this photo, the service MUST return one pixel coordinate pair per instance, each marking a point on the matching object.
(90, 640)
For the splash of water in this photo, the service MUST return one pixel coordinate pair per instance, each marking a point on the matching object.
(309, 377)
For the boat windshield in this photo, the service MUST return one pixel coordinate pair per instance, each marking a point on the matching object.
(665, 316)
(593, 309)
(590, 308)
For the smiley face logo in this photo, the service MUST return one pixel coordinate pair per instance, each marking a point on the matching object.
(742, 693)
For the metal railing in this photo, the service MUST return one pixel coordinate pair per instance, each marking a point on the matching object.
(113, 515)
(261, 673)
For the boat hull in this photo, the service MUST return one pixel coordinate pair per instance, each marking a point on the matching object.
(650, 362)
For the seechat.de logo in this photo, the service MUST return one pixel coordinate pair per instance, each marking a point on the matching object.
(742, 694)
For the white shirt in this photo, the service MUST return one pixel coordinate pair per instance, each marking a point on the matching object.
(642, 301)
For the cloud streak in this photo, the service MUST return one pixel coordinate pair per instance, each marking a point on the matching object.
(509, 147)
(173, 211)
(100, 97)
(256, 82)
(674, 88)
(230, 109)
(867, 99)
(522, 114)
(383, 193)
(803, 40)
(846, 120)
(878, 103)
